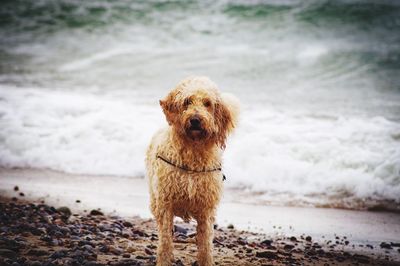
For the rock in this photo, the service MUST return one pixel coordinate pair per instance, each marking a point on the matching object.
(88, 248)
(288, 247)
(46, 238)
(293, 239)
(58, 254)
(316, 246)
(148, 251)
(180, 229)
(78, 201)
(139, 233)
(266, 242)
(242, 241)
(385, 245)
(21, 194)
(115, 251)
(151, 246)
(11, 244)
(7, 253)
(127, 224)
(397, 245)
(104, 248)
(96, 212)
(65, 211)
(230, 226)
(193, 234)
(361, 258)
(37, 252)
(126, 262)
(308, 238)
(340, 258)
(16, 188)
(266, 254)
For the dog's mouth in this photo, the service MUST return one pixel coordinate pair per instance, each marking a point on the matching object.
(195, 128)
(196, 132)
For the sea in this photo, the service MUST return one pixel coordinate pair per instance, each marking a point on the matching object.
(318, 82)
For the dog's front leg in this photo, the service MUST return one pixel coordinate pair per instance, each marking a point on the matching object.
(204, 240)
(165, 248)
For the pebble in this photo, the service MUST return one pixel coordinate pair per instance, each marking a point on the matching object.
(288, 247)
(37, 252)
(267, 242)
(115, 251)
(127, 224)
(58, 254)
(385, 245)
(7, 253)
(180, 229)
(148, 251)
(96, 212)
(65, 211)
(266, 254)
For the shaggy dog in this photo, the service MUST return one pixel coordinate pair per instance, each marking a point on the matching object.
(184, 160)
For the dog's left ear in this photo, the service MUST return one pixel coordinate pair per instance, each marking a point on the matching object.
(226, 114)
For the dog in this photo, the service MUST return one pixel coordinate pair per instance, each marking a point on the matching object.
(183, 162)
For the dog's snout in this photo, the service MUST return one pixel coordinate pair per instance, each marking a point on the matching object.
(195, 121)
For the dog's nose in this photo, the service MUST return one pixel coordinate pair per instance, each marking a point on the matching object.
(195, 121)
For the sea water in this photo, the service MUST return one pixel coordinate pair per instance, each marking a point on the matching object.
(318, 81)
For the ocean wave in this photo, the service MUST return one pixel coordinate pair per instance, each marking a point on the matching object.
(299, 156)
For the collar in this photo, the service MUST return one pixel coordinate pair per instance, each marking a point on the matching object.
(191, 170)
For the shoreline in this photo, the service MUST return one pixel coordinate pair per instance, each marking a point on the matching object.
(128, 198)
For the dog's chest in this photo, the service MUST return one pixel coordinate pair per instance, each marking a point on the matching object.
(195, 190)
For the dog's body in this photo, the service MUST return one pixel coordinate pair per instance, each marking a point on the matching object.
(183, 162)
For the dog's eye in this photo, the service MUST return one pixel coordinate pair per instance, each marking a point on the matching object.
(187, 102)
(207, 103)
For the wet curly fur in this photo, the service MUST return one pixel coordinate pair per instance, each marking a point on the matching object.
(200, 119)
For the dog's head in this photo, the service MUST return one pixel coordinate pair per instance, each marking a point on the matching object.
(199, 113)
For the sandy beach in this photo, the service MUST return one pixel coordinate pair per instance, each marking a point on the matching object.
(351, 237)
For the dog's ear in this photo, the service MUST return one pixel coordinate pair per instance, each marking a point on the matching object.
(169, 108)
(226, 115)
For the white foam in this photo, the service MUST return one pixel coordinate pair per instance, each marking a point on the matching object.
(287, 154)
(76, 133)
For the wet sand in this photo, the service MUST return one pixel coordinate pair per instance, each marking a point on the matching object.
(258, 234)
